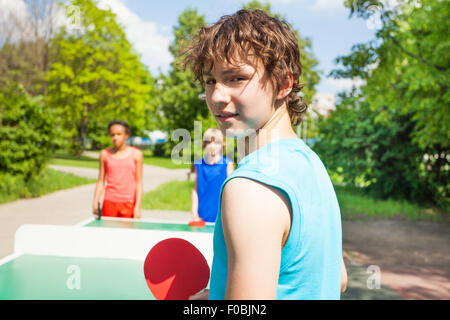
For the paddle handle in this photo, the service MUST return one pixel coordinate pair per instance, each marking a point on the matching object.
(99, 210)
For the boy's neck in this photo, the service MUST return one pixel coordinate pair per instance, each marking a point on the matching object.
(278, 127)
(213, 159)
(120, 148)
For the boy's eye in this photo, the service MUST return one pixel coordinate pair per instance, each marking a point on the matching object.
(233, 79)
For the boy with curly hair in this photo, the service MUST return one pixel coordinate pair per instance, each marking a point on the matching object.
(278, 230)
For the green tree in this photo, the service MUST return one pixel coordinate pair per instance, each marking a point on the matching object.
(376, 155)
(179, 97)
(407, 66)
(20, 64)
(406, 73)
(97, 77)
(24, 45)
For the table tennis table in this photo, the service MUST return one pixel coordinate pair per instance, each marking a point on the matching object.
(96, 259)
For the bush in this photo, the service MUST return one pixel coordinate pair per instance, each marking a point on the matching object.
(26, 132)
(383, 155)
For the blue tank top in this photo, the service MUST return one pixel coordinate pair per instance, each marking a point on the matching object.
(310, 266)
(209, 180)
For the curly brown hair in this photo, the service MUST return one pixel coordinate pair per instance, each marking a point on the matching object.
(253, 32)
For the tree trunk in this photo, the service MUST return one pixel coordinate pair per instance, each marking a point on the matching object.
(83, 130)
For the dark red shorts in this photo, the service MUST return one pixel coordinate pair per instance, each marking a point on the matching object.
(117, 209)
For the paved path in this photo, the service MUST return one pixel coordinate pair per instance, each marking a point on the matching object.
(68, 207)
(413, 258)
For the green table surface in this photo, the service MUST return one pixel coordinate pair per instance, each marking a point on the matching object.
(39, 277)
(48, 277)
(148, 225)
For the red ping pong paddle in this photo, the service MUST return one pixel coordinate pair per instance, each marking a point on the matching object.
(175, 269)
(198, 223)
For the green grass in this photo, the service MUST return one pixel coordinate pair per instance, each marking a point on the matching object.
(162, 162)
(165, 163)
(174, 195)
(64, 159)
(93, 164)
(49, 181)
(354, 204)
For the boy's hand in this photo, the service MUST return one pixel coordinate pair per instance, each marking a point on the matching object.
(195, 217)
(95, 208)
(202, 295)
(137, 213)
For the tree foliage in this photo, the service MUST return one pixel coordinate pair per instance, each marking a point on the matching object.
(178, 95)
(20, 64)
(397, 138)
(24, 45)
(376, 155)
(26, 132)
(407, 66)
(97, 77)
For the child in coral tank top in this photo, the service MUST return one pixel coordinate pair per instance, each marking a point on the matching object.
(121, 171)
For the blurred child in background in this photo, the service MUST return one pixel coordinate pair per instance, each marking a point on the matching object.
(121, 169)
(211, 171)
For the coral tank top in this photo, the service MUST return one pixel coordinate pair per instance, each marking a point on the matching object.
(120, 177)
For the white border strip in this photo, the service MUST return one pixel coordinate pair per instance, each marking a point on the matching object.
(9, 258)
(15, 255)
(84, 222)
(93, 242)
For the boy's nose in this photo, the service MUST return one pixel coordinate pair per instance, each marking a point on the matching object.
(219, 96)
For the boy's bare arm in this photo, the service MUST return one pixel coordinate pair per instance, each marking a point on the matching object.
(194, 198)
(100, 182)
(343, 277)
(139, 184)
(230, 168)
(255, 220)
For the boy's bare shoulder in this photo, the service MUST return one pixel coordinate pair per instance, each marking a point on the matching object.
(245, 203)
(249, 187)
(139, 153)
(258, 197)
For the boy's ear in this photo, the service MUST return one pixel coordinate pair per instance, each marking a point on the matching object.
(286, 87)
